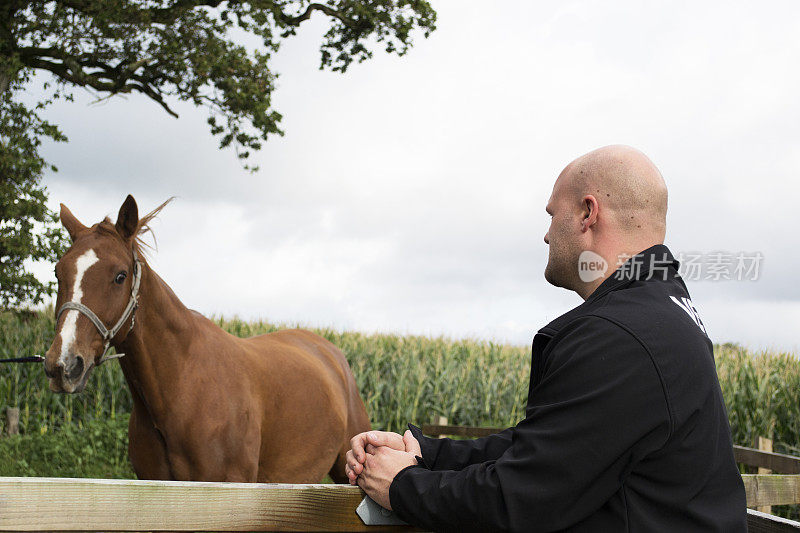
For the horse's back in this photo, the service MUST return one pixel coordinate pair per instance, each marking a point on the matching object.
(300, 345)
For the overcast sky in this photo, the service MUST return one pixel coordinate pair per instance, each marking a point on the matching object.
(408, 194)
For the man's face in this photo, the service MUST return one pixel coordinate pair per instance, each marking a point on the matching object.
(563, 237)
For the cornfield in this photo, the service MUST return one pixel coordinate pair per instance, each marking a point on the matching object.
(406, 378)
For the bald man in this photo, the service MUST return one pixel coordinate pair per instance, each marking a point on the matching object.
(625, 427)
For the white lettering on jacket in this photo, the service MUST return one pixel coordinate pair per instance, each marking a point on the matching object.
(686, 304)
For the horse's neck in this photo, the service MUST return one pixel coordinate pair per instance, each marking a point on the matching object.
(157, 346)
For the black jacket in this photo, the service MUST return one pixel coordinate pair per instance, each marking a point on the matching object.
(625, 427)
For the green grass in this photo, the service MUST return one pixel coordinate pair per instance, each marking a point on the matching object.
(99, 449)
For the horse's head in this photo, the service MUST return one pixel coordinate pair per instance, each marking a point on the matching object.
(97, 272)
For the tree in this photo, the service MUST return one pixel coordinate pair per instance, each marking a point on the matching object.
(22, 203)
(167, 50)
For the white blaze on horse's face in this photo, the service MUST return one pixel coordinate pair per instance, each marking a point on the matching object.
(68, 330)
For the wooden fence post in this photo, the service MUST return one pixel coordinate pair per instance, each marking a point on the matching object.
(12, 420)
(438, 421)
(765, 445)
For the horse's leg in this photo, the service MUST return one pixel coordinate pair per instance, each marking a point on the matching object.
(357, 422)
(146, 447)
(337, 471)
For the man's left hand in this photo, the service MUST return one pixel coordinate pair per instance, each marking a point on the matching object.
(381, 466)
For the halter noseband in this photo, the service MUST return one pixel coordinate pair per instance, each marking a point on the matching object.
(130, 311)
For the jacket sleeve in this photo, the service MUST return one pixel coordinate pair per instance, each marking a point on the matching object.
(598, 409)
(449, 454)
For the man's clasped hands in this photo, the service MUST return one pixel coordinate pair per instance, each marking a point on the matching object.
(375, 458)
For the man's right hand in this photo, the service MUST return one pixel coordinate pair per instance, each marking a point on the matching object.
(368, 442)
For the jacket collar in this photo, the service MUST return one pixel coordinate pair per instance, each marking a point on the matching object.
(655, 262)
(651, 263)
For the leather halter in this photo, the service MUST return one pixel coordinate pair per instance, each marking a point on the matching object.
(130, 311)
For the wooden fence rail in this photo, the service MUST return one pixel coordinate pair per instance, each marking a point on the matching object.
(758, 522)
(60, 504)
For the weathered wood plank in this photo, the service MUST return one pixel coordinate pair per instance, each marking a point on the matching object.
(771, 489)
(438, 421)
(764, 445)
(777, 462)
(47, 504)
(758, 522)
(12, 420)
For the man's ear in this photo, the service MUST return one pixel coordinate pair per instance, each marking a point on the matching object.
(72, 224)
(128, 218)
(590, 208)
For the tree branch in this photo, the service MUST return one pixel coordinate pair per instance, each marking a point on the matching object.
(5, 82)
(155, 96)
(114, 85)
(331, 12)
(160, 15)
(117, 74)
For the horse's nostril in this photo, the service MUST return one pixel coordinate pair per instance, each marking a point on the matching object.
(74, 369)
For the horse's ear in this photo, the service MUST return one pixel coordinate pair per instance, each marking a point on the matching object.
(128, 218)
(72, 224)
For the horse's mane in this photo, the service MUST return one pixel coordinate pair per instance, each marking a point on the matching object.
(142, 228)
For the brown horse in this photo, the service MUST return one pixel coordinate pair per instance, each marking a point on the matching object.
(207, 406)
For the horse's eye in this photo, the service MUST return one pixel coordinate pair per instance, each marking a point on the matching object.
(120, 278)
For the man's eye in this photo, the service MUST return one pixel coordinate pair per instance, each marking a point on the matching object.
(120, 278)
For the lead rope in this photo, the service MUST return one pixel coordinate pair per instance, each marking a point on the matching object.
(130, 310)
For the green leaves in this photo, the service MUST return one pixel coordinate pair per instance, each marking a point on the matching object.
(188, 49)
(28, 230)
(386, 21)
(762, 395)
(99, 450)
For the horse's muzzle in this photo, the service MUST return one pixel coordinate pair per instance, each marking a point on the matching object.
(67, 376)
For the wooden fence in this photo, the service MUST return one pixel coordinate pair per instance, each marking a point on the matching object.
(47, 504)
(59, 504)
(764, 489)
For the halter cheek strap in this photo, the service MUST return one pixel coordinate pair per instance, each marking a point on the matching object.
(130, 311)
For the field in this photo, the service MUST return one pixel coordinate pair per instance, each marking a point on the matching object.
(402, 378)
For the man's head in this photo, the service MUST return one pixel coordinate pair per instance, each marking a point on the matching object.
(611, 202)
